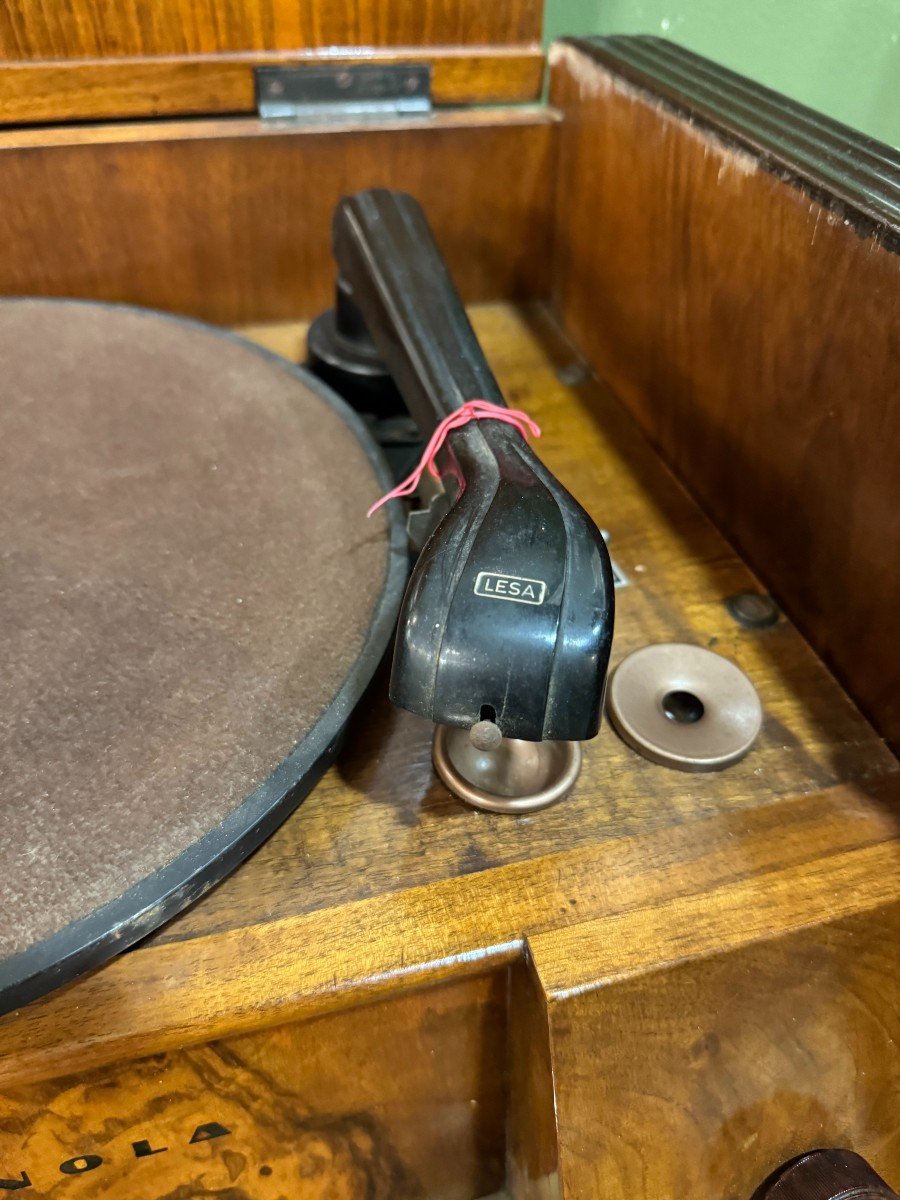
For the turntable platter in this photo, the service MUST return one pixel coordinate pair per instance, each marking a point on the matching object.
(191, 602)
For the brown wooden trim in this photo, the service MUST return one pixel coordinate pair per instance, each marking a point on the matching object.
(199, 129)
(532, 1156)
(807, 860)
(702, 1073)
(748, 317)
(230, 220)
(112, 88)
(839, 166)
(718, 921)
(124, 28)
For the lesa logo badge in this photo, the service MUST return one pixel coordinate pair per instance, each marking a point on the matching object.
(510, 587)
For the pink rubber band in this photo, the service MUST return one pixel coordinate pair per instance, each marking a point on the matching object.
(472, 410)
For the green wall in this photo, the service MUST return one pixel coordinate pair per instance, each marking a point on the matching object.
(839, 56)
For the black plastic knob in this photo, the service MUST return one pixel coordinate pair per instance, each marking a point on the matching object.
(826, 1175)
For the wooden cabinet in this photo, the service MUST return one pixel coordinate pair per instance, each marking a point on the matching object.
(668, 984)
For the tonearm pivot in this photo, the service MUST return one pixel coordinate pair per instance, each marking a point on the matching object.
(505, 631)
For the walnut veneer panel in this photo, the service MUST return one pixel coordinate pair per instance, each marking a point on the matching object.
(705, 1052)
(117, 28)
(207, 84)
(746, 306)
(395, 1101)
(231, 220)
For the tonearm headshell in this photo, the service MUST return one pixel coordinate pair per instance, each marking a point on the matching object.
(505, 632)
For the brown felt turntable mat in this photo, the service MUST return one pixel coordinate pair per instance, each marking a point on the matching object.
(187, 583)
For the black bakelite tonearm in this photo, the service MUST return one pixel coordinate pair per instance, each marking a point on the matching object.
(509, 611)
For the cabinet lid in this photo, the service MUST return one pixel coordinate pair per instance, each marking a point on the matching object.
(104, 59)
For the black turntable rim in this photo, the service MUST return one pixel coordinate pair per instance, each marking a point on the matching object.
(91, 941)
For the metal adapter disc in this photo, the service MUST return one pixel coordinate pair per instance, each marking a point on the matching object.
(684, 707)
(516, 777)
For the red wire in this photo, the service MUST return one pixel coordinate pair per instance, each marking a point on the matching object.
(472, 410)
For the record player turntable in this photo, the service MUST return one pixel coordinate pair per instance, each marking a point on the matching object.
(284, 907)
(194, 599)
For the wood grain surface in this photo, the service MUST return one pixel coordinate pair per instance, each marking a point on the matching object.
(230, 220)
(396, 1101)
(118, 28)
(380, 820)
(725, 1054)
(532, 1153)
(114, 88)
(753, 328)
(664, 985)
(382, 882)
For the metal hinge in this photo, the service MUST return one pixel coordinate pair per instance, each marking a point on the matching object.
(357, 90)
